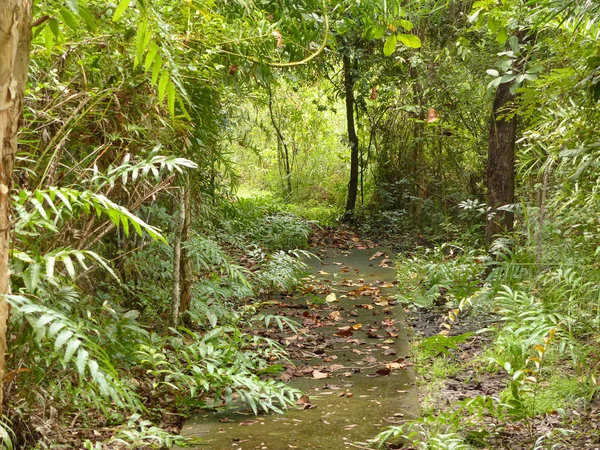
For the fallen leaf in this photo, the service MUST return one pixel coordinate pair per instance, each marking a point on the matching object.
(303, 400)
(344, 332)
(383, 372)
(395, 366)
(335, 315)
(331, 298)
(376, 255)
(317, 375)
(335, 367)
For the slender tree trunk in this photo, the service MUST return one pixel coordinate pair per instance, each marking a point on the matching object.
(352, 136)
(15, 37)
(176, 293)
(285, 154)
(501, 164)
(186, 264)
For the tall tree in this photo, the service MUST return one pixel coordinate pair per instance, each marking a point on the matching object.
(352, 136)
(501, 163)
(15, 36)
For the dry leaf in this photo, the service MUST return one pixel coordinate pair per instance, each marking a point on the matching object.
(317, 375)
(331, 298)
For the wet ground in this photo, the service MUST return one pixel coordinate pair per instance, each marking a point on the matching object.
(352, 363)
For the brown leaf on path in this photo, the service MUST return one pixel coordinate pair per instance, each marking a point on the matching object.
(344, 332)
(376, 255)
(395, 366)
(335, 367)
(318, 375)
(370, 359)
(383, 372)
(303, 400)
(372, 334)
(335, 315)
(389, 352)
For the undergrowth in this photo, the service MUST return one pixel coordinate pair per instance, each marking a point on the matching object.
(532, 329)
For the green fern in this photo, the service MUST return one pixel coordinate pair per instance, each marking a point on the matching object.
(72, 347)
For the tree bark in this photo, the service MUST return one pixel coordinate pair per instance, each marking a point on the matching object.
(186, 265)
(15, 37)
(352, 137)
(284, 155)
(501, 164)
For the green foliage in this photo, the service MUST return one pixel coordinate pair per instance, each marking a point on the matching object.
(283, 271)
(442, 272)
(217, 363)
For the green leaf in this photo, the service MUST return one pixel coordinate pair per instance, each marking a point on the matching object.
(501, 36)
(121, 8)
(139, 43)
(171, 98)
(378, 31)
(62, 338)
(73, 5)
(69, 265)
(48, 39)
(406, 24)
(162, 84)
(53, 24)
(89, 19)
(82, 359)
(69, 19)
(150, 56)
(410, 40)
(390, 45)
(156, 68)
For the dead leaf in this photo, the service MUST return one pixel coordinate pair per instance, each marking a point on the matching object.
(317, 375)
(376, 255)
(383, 372)
(395, 366)
(335, 367)
(331, 298)
(335, 315)
(303, 400)
(344, 332)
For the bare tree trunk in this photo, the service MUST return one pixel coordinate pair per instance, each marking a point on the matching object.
(352, 137)
(285, 154)
(15, 37)
(501, 164)
(186, 265)
(176, 293)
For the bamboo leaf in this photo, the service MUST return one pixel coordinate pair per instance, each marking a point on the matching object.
(120, 10)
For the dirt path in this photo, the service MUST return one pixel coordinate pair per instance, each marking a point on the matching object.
(352, 363)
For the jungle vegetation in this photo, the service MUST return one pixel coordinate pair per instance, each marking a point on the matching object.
(163, 162)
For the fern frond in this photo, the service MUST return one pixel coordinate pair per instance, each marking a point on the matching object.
(46, 208)
(71, 346)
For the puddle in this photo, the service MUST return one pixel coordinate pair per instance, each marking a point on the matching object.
(356, 401)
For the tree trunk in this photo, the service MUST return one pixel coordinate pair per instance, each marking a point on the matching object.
(501, 164)
(352, 137)
(186, 264)
(283, 154)
(15, 36)
(176, 293)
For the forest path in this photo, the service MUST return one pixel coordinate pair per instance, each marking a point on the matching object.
(351, 364)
